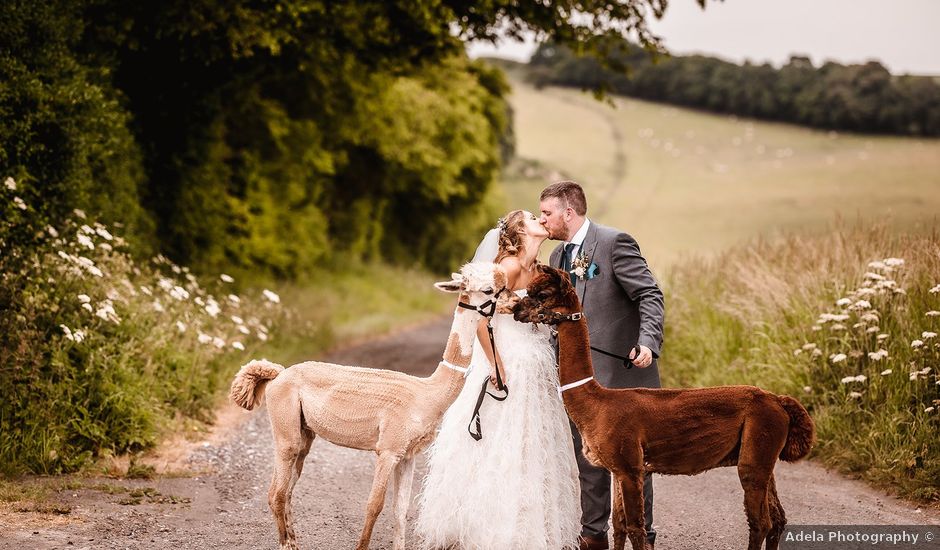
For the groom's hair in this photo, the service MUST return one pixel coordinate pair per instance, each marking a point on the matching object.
(568, 192)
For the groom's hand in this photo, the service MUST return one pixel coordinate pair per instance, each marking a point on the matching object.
(644, 359)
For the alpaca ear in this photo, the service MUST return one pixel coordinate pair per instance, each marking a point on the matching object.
(455, 285)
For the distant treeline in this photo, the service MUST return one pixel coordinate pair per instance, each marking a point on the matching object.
(267, 136)
(857, 98)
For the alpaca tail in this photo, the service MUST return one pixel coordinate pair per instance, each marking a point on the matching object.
(248, 386)
(802, 432)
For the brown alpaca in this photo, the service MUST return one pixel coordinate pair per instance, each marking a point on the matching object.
(668, 431)
(388, 412)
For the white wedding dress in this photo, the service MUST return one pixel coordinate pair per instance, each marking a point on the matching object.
(518, 486)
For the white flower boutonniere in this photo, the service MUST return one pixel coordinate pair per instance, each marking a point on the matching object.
(581, 269)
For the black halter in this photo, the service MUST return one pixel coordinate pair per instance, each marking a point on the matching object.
(555, 318)
(487, 305)
(486, 309)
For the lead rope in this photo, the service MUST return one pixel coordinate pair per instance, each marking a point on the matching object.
(484, 391)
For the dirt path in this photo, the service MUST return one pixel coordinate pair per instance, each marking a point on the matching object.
(227, 507)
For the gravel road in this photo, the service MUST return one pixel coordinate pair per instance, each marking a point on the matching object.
(226, 507)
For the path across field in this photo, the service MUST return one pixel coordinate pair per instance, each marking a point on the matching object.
(228, 507)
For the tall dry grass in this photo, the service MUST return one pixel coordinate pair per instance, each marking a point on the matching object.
(847, 322)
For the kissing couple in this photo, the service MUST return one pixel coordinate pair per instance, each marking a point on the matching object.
(526, 484)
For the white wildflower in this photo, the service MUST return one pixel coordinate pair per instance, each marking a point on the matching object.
(234, 299)
(837, 357)
(238, 345)
(238, 320)
(226, 278)
(900, 291)
(10, 184)
(872, 330)
(926, 335)
(865, 292)
(929, 409)
(204, 338)
(797, 351)
(212, 308)
(199, 301)
(84, 298)
(870, 317)
(68, 332)
(877, 265)
(894, 262)
(181, 326)
(934, 290)
(859, 378)
(179, 293)
(85, 241)
(218, 342)
(878, 355)
(243, 329)
(842, 302)
(933, 313)
(157, 306)
(104, 234)
(807, 389)
(146, 290)
(815, 327)
(817, 352)
(262, 336)
(18, 202)
(106, 247)
(861, 304)
(79, 335)
(826, 317)
(807, 347)
(51, 231)
(837, 326)
(874, 276)
(272, 297)
(886, 372)
(88, 307)
(882, 337)
(175, 269)
(79, 213)
(106, 312)
(916, 344)
(166, 284)
(855, 395)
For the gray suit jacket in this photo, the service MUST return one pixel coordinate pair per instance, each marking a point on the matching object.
(622, 303)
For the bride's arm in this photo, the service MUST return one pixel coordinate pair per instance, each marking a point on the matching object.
(513, 269)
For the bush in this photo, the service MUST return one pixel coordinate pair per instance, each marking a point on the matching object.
(847, 323)
(98, 352)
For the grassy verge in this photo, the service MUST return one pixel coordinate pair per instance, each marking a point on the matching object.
(103, 354)
(846, 322)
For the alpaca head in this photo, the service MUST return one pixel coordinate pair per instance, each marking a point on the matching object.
(481, 284)
(549, 291)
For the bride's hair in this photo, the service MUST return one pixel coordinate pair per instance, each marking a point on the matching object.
(511, 233)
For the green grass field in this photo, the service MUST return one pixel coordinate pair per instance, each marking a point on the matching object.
(690, 183)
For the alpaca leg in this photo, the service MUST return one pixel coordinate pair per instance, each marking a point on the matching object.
(778, 518)
(631, 489)
(402, 481)
(279, 494)
(284, 412)
(754, 480)
(383, 470)
(298, 466)
(618, 517)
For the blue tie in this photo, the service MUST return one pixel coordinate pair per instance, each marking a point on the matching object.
(568, 260)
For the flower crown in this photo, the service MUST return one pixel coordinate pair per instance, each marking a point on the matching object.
(501, 225)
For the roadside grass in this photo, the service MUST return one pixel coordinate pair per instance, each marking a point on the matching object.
(846, 322)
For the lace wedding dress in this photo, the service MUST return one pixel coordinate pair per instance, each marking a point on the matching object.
(518, 486)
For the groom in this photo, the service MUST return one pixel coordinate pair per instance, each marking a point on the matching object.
(624, 308)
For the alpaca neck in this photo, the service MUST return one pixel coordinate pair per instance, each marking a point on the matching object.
(574, 352)
(457, 354)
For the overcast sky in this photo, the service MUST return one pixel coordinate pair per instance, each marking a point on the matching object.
(903, 34)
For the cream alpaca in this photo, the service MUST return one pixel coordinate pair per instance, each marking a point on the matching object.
(393, 414)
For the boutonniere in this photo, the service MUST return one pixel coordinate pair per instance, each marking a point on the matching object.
(581, 269)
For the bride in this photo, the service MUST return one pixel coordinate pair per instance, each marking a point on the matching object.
(517, 487)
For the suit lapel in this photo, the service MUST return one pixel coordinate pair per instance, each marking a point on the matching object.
(587, 247)
(554, 260)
